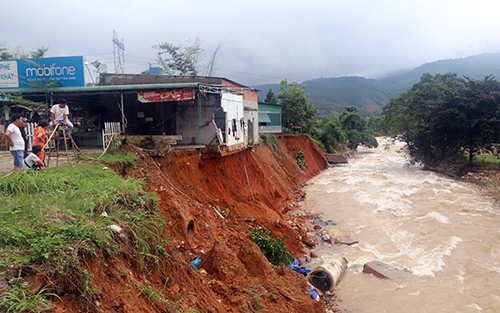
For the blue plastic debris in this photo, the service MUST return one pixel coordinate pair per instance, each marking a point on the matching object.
(298, 268)
(314, 294)
(195, 263)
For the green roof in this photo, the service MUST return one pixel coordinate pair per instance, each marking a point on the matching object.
(269, 107)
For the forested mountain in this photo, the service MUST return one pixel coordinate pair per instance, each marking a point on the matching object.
(333, 94)
(476, 66)
(369, 95)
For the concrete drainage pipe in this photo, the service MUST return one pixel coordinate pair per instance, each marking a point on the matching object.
(326, 277)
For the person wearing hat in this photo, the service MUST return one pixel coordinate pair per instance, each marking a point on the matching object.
(16, 141)
(59, 115)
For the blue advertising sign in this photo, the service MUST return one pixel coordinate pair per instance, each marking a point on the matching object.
(31, 73)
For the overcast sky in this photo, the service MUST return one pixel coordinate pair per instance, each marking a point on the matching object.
(264, 41)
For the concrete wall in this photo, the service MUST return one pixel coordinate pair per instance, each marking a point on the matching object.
(252, 120)
(250, 112)
(187, 122)
(232, 104)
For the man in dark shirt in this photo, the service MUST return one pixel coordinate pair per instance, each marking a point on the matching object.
(22, 128)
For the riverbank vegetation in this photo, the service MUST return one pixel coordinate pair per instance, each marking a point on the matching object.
(342, 131)
(52, 220)
(444, 118)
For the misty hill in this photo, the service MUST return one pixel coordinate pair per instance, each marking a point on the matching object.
(476, 66)
(333, 94)
(370, 95)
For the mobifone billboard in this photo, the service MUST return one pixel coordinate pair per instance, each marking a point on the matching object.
(37, 73)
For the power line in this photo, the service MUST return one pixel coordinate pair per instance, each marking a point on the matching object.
(139, 57)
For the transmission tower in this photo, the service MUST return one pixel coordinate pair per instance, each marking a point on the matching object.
(119, 54)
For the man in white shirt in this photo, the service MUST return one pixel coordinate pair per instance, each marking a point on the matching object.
(59, 115)
(16, 141)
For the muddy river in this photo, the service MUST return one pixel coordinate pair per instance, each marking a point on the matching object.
(442, 230)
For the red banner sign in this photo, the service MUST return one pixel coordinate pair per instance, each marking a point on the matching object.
(177, 94)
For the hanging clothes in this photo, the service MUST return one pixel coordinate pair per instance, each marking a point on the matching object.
(234, 125)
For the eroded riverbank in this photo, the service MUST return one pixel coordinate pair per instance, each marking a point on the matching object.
(209, 205)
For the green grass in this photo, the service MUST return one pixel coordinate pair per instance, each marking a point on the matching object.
(486, 160)
(269, 139)
(50, 219)
(20, 299)
(114, 156)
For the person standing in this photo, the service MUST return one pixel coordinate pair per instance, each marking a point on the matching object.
(40, 138)
(59, 115)
(16, 141)
(22, 128)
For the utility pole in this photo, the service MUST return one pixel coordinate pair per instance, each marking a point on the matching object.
(119, 54)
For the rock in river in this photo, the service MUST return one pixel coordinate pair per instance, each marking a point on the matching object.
(382, 270)
(342, 236)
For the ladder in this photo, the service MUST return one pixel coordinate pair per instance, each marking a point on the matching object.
(60, 148)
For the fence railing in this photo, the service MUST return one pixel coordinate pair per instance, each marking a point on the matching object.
(269, 129)
(30, 134)
(110, 129)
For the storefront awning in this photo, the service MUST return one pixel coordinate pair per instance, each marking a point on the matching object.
(264, 118)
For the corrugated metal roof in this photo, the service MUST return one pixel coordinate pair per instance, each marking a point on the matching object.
(267, 108)
(109, 88)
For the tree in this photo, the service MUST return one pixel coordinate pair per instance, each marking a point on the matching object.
(7, 54)
(271, 97)
(467, 121)
(295, 106)
(176, 60)
(408, 115)
(329, 133)
(16, 100)
(38, 53)
(350, 119)
(97, 64)
(376, 125)
(356, 129)
(211, 64)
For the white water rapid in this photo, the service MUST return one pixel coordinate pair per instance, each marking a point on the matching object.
(442, 230)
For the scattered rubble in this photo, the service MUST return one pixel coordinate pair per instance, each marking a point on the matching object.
(341, 236)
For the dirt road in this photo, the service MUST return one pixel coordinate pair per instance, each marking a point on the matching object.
(7, 161)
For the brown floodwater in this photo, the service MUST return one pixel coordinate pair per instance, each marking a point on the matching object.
(442, 230)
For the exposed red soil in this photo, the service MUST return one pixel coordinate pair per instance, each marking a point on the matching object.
(249, 188)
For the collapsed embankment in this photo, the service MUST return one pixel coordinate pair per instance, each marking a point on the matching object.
(210, 204)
